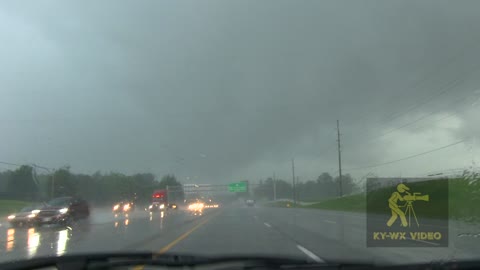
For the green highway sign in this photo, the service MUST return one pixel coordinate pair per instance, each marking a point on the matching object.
(237, 187)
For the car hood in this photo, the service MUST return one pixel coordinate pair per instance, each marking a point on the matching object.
(22, 214)
(52, 208)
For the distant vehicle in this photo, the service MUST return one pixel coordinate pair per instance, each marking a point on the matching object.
(160, 201)
(159, 196)
(62, 211)
(211, 204)
(26, 216)
(160, 206)
(156, 206)
(250, 202)
(195, 206)
(123, 207)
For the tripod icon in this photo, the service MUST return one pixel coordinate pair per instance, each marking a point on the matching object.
(409, 198)
(409, 211)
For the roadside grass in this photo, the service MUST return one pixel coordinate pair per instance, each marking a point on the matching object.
(282, 204)
(11, 206)
(463, 200)
(353, 203)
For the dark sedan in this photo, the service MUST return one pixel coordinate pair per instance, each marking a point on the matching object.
(26, 216)
(62, 211)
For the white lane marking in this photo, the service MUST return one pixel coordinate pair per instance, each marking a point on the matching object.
(423, 241)
(268, 225)
(330, 221)
(310, 254)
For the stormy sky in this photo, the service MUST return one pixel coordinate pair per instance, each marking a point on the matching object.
(217, 91)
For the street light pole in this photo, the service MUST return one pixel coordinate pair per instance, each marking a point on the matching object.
(53, 186)
(274, 188)
(52, 172)
(339, 159)
(293, 180)
(168, 196)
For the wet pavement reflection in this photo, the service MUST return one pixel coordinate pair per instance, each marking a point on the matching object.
(107, 232)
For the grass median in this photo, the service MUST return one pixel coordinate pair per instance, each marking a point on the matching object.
(463, 201)
(354, 203)
(11, 206)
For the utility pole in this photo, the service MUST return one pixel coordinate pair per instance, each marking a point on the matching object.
(339, 159)
(293, 180)
(168, 197)
(274, 188)
(53, 186)
(296, 193)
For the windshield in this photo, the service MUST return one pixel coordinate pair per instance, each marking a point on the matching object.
(29, 208)
(60, 202)
(324, 130)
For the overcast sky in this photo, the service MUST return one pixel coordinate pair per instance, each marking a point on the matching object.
(219, 91)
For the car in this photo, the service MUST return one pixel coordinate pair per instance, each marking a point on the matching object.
(26, 216)
(123, 207)
(156, 206)
(62, 211)
(250, 202)
(195, 206)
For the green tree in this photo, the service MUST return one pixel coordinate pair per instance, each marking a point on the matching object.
(175, 188)
(327, 187)
(21, 184)
(168, 180)
(64, 183)
(265, 189)
(348, 185)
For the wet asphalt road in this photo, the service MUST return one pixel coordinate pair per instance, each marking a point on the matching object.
(231, 230)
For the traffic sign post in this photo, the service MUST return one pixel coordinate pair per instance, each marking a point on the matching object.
(237, 187)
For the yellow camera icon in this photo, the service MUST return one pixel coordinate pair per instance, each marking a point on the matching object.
(417, 196)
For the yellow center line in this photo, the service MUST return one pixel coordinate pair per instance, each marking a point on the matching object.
(180, 238)
(185, 235)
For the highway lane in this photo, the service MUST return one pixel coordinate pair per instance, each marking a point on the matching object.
(332, 234)
(313, 234)
(102, 232)
(328, 235)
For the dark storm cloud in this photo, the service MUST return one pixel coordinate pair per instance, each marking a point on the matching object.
(223, 90)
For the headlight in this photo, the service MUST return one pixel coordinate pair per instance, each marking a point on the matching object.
(11, 217)
(126, 207)
(31, 215)
(63, 210)
(196, 206)
(36, 211)
(115, 207)
(150, 207)
(162, 206)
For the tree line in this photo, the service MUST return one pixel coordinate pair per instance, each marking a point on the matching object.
(99, 188)
(324, 187)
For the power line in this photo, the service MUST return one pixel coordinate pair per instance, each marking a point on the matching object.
(405, 158)
(11, 164)
(19, 165)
